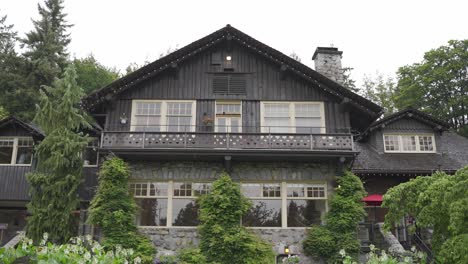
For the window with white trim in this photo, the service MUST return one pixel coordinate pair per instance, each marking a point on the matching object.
(168, 203)
(273, 204)
(410, 143)
(156, 116)
(285, 204)
(228, 117)
(293, 117)
(266, 204)
(306, 204)
(16, 150)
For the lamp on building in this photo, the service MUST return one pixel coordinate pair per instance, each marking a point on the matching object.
(286, 250)
(123, 119)
(228, 57)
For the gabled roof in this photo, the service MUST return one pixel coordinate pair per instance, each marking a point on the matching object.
(229, 33)
(33, 129)
(414, 114)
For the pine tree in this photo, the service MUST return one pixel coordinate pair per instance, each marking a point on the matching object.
(113, 210)
(46, 46)
(13, 92)
(54, 184)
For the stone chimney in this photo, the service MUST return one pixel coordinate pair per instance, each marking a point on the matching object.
(327, 61)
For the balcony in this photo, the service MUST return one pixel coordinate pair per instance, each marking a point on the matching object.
(248, 141)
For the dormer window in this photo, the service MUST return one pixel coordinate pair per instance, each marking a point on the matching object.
(16, 150)
(409, 143)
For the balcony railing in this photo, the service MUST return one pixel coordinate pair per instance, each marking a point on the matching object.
(228, 141)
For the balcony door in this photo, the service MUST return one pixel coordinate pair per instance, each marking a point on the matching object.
(228, 117)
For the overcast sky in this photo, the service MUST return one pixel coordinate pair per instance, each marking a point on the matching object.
(373, 35)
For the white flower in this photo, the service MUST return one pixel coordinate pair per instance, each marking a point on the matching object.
(45, 236)
(413, 249)
(137, 260)
(342, 252)
(372, 247)
(87, 256)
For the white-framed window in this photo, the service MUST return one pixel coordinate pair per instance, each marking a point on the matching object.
(168, 203)
(16, 151)
(409, 143)
(277, 204)
(157, 115)
(285, 204)
(293, 117)
(90, 154)
(306, 204)
(266, 204)
(228, 117)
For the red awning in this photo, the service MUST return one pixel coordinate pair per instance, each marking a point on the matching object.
(373, 199)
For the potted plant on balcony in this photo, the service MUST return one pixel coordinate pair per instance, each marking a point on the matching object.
(208, 121)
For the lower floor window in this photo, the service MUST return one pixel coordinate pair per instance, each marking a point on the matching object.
(303, 213)
(273, 204)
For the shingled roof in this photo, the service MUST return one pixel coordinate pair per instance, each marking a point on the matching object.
(412, 113)
(31, 128)
(229, 33)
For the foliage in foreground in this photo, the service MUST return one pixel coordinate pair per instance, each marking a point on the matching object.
(54, 183)
(222, 237)
(376, 257)
(79, 250)
(340, 231)
(113, 210)
(439, 202)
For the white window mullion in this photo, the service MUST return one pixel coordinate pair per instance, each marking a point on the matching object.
(170, 195)
(416, 138)
(284, 205)
(163, 116)
(292, 117)
(15, 151)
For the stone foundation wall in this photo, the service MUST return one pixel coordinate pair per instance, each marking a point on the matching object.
(169, 240)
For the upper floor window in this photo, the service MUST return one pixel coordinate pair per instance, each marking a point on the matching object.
(411, 143)
(293, 117)
(228, 117)
(156, 116)
(16, 150)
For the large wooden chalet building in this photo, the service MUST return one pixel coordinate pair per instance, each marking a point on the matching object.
(229, 102)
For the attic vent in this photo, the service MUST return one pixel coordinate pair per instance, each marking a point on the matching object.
(233, 84)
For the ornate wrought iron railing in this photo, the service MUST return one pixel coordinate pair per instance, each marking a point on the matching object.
(227, 141)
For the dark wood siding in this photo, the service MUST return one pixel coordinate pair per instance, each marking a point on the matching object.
(13, 184)
(15, 187)
(194, 82)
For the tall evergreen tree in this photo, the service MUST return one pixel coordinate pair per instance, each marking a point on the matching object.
(55, 182)
(92, 75)
(113, 210)
(438, 84)
(380, 90)
(13, 92)
(46, 46)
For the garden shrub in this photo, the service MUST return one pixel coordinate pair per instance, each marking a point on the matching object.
(113, 210)
(191, 256)
(319, 243)
(342, 220)
(222, 238)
